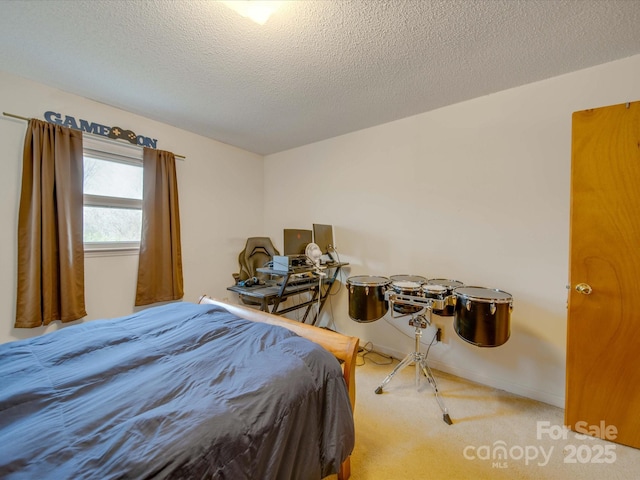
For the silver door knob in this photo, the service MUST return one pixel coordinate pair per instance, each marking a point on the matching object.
(584, 289)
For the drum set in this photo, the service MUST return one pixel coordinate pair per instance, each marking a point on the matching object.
(482, 316)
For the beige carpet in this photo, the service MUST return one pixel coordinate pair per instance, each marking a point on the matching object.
(400, 434)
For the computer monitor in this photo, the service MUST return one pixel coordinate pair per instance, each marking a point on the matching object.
(323, 237)
(295, 241)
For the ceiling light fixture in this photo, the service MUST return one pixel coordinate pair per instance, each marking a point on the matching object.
(257, 10)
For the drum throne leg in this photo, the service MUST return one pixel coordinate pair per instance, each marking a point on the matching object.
(420, 361)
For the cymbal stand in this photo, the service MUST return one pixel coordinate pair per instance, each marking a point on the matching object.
(419, 322)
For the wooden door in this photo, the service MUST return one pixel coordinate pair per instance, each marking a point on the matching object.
(603, 336)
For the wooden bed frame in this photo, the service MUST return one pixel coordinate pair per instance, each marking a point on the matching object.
(344, 348)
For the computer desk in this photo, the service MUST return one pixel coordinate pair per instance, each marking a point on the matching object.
(284, 284)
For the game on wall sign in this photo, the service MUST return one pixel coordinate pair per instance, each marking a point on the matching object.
(98, 129)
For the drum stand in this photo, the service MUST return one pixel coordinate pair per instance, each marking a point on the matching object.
(420, 360)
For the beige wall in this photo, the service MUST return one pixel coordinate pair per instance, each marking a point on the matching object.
(220, 190)
(477, 192)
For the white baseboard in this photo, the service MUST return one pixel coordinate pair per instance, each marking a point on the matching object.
(501, 384)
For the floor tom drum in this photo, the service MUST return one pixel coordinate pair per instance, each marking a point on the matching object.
(483, 315)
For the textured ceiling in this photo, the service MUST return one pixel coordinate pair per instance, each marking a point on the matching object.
(316, 70)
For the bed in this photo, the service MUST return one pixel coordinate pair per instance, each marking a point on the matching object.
(183, 390)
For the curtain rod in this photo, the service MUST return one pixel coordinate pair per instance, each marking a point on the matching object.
(89, 133)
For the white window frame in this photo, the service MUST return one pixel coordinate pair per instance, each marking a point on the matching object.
(111, 150)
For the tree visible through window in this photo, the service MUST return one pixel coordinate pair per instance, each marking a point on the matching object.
(112, 199)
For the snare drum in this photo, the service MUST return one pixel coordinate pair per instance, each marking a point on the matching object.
(407, 287)
(408, 278)
(438, 294)
(483, 315)
(448, 297)
(366, 298)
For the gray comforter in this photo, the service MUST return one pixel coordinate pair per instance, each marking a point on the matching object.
(177, 391)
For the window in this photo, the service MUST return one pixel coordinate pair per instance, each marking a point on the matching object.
(112, 196)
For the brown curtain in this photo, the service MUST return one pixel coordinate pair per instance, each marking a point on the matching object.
(50, 246)
(160, 262)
